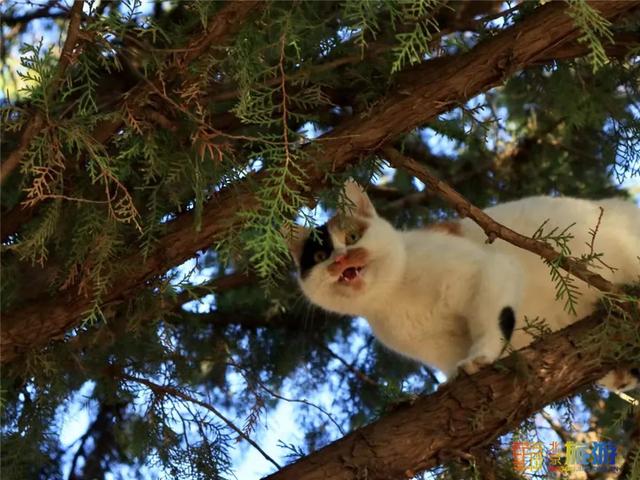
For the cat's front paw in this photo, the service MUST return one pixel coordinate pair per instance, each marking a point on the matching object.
(473, 365)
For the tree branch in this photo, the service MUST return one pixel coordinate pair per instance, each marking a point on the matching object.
(218, 284)
(623, 43)
(350, 366)
(466, 414)
(492, 228)
(251, 321)
(224, 24)
(105, 446)
(174, 392)
(227, 21)
(557, 427)
(42, 12)
(37, 122)
(419, 95)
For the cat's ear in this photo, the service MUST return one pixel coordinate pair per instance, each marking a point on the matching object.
(358, 202)
(295, 236)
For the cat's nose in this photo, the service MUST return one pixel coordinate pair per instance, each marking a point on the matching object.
(339, 257)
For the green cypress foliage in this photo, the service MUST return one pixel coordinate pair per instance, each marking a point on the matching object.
(170, 112)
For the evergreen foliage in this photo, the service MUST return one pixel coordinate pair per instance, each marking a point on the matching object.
(149, 129)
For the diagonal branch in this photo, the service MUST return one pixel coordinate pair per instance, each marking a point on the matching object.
(174, 392)
(492, 228)
(35, 125)
(419, 95)
(466, 414)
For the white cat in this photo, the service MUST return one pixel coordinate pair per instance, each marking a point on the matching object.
(441, 295)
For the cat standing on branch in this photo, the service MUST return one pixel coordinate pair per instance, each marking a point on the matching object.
(445, 297)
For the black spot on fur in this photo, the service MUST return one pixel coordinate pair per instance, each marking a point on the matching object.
(318, 242)
(507, 322)
(636, 373)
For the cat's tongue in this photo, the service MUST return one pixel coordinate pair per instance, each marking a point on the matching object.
(350, 273)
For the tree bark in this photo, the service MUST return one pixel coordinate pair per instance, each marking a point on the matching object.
(468, 413)
(419, 95)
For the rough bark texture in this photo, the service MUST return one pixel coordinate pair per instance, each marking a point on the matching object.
(419, 95)
(466, 414)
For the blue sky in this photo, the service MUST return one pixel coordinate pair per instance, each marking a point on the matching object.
(279, 425)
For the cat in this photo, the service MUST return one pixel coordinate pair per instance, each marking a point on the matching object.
(443, 296)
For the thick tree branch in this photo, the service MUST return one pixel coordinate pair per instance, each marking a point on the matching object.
(419, 95)
(37, 122)
(492, 228)
(468, 413)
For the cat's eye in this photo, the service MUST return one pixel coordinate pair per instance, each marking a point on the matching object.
(352, 237)
(320, 256)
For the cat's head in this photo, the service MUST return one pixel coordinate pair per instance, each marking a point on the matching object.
(352, 260)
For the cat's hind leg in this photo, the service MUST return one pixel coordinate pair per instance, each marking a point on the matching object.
(492, 314)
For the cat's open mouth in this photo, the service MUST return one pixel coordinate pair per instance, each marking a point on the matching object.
(350, 274)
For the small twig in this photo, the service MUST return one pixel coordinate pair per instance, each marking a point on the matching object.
(304, 72)
(167, 390)
(34, 201)
(492, 228)
(217, 285)
(430, 373)
(359, 373)
(80, 450)
(242, 371)
(556, 427)
(285, 100)
(594, 232)
(200, 121)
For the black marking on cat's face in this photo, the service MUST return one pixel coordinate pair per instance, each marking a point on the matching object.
(507, 322)
(636, 373)
(320, 241)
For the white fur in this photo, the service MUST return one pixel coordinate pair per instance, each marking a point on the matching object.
(437, 297)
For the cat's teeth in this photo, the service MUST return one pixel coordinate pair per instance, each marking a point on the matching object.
(354, 272)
